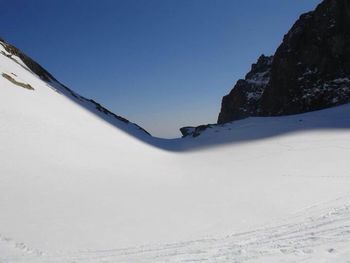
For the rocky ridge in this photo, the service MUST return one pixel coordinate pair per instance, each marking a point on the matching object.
(309, 71)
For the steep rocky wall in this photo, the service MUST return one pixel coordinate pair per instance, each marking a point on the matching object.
(309, 71)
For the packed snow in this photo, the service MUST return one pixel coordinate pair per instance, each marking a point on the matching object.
(78, 185)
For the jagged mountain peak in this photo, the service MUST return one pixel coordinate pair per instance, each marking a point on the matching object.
(309, 71)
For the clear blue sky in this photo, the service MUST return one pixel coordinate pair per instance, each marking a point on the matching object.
(160, 63)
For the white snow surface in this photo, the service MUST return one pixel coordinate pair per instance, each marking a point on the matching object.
(77, 188)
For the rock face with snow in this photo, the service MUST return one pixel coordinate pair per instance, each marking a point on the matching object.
(243, 99)
(310, 69)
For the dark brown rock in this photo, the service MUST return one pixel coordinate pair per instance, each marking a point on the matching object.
(309, 71)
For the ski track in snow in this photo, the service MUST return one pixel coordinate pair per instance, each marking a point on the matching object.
(323, 236)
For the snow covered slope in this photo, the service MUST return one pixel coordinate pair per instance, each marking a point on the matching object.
(76, 188)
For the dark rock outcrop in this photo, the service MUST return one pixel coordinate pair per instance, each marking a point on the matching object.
(194, 131)
(309, 71)
(244, 98)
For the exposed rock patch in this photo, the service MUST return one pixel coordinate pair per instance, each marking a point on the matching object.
(16, 82)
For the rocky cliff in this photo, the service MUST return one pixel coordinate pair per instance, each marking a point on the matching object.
(243, 99)
(309, 71)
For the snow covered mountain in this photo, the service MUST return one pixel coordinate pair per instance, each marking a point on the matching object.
(79, 184)
(30, 65)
